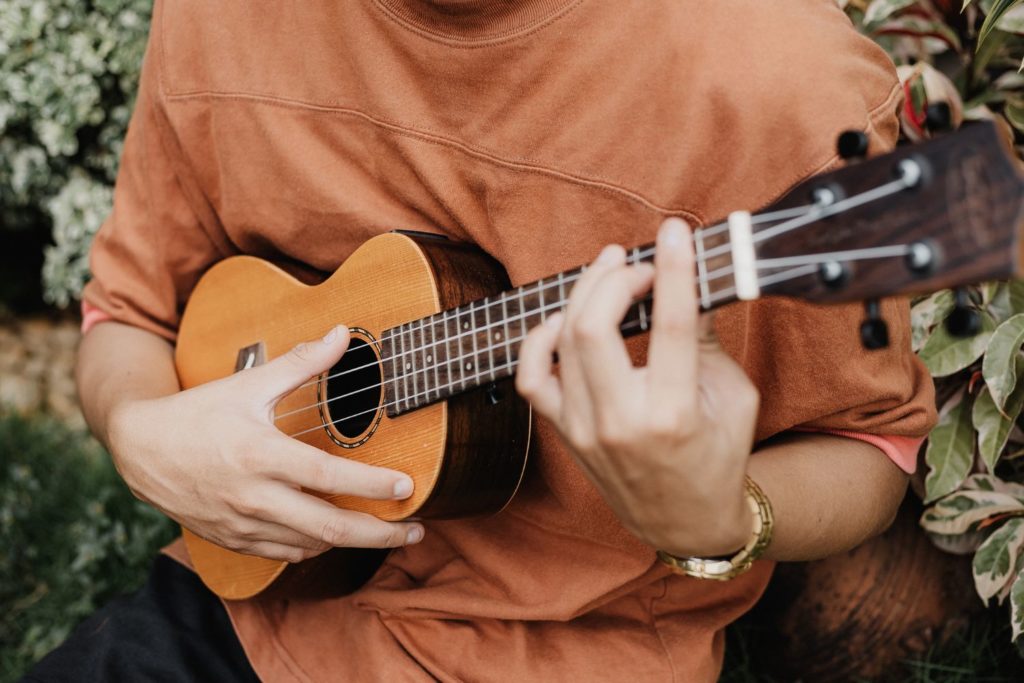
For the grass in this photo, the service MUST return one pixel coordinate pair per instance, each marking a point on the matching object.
(74, 537)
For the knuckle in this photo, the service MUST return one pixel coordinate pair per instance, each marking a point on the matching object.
(587, 329)
(612, 435)
(299, 354)
(580, 437)
(336, 531)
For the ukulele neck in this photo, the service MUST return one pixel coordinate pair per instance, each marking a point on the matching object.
(477, 344)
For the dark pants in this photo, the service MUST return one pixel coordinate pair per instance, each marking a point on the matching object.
(172, 629)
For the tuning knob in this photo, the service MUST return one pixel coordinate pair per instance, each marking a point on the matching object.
(938, 117)
(874, 333)
(852, 145)
(964, 321)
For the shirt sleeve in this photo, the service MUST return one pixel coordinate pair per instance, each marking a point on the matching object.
(151, 250)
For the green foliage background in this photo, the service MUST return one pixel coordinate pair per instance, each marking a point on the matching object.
(73, 536)
(68, 74)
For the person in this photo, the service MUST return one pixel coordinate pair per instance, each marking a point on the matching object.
(541, 131)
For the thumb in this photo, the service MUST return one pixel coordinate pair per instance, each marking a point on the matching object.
(287, 372)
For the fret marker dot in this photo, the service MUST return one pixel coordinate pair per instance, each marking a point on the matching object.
(429, 358)
(497, 336)
(408, 366)
(465, 325)
(469, 366)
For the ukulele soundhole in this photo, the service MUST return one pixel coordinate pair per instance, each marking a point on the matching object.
(351, 392)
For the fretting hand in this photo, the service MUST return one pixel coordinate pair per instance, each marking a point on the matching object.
(667, 444)
(211, 459)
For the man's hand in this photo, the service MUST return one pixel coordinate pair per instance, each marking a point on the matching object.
(211, 458)
(667, 444)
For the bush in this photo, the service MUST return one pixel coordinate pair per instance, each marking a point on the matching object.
(68, 74)
(73, 536)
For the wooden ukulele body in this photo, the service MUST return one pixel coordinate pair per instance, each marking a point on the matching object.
(465, 455)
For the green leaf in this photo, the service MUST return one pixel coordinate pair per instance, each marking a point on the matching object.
(945, 354)
(963, 511)
(990, 482)
(920, 27)
(950, 452)
(1017, 605)
(1012, 21)
(995, 562)
(880, 10)
(1000, 365)
(1016, 288)
(928, 313)
(993, 426)
(999, 8)
(1014, 113)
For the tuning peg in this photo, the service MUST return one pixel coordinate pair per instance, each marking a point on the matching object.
(852, 145)
(939, 117)
(874, 333)
(964, 321)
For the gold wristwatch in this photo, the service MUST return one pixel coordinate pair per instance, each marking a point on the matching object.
(728, 568)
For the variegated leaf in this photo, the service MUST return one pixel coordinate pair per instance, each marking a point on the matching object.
(1000, 365)
(1017, 605)
(990, 482)
(945, 354)
(995, 563)
(950, 451)
(880, 10)
(995, 13)
(927, 313)
(994, 424)
(959, 544)
(963, 511)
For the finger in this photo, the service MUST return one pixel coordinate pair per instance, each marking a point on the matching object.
(597, 338)
(612, 256)
(577, 419)
(318, 519)
(535, 378)
(296, 463)
(280, 552)
(287, 372)
(672, 355)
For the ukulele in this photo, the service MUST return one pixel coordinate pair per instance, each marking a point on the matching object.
(425, 386)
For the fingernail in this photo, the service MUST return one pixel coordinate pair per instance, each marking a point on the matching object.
(414, 535)
(331, 336)
(554, 320)
(403, 488)
(672, 231)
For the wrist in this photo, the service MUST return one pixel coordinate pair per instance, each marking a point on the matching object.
(722, 531)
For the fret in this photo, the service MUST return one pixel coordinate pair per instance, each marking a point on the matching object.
(540, 297)
(411, 365)
(561, 289)
(473, 365)
(702, 269)
(504, 324)
(487, 336)
(450, 359)
(404, 367)
(433, 358)
(642, 309)
(395, 398)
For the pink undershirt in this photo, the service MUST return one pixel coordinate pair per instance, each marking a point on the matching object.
(902, 450)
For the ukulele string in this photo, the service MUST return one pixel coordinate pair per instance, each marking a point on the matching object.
(633, 256)
(806, 260)
(799, 271)
(800, 217)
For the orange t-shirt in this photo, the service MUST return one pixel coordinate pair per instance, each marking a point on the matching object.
(539, 130)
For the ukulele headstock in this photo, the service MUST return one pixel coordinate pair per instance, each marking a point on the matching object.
(939, 214)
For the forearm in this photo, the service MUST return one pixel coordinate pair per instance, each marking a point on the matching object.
(118, 363)
(828, 493)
